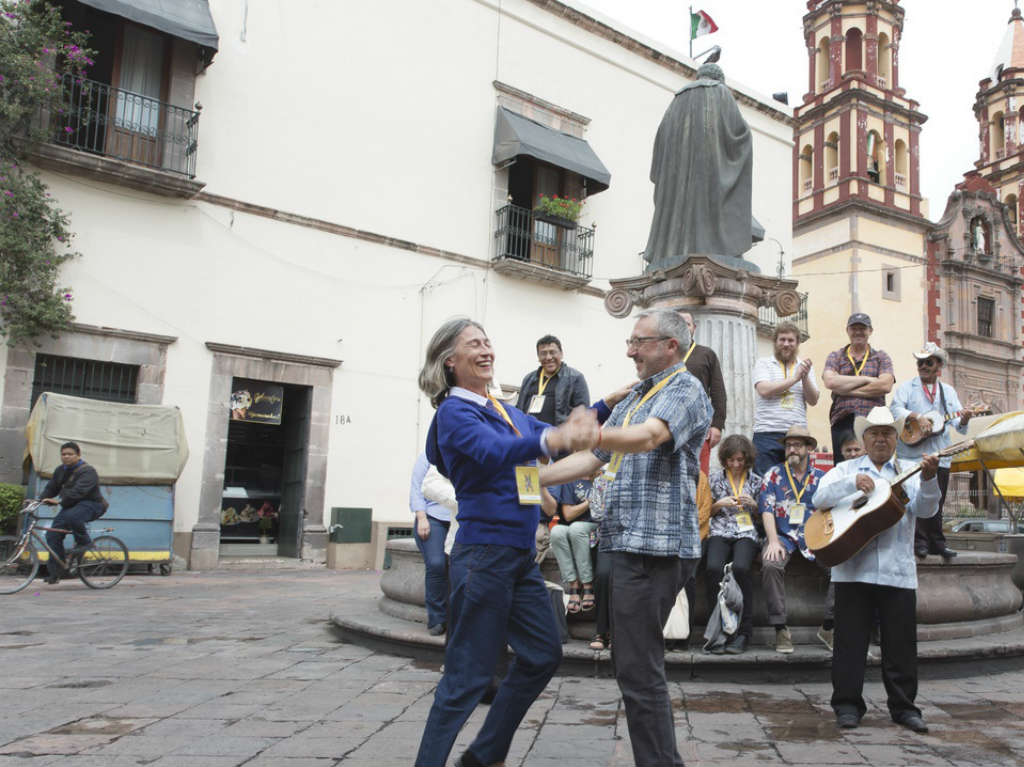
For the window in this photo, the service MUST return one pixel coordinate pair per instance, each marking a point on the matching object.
(823, 63)
(901, 164)
(884, 61)
(807, 170)
(832, 158)
(998, 135)
(854, 40)
(110, 381)
(891, 283)
(986, 310)
(876, 158)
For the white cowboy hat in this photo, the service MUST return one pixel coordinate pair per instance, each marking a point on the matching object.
(879, 416)
(931, 350)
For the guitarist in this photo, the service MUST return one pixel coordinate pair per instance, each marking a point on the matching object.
(911, 399)
(882, 576)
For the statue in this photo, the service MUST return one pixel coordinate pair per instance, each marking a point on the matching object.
(702, 174)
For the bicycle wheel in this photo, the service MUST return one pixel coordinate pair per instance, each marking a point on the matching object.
(17, 569)
(104, 563)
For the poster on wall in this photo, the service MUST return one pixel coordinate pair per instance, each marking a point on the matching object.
(256, 401)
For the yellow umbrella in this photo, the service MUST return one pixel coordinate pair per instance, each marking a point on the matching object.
(998, 443)
(1010, 483)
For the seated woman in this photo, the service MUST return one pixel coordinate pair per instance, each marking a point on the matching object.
(571, 532)
(732, 534)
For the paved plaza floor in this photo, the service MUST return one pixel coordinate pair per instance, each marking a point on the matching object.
(240, 666)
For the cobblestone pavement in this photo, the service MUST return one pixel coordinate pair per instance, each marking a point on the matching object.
(240, 667)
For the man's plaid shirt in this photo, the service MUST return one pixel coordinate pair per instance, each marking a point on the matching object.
(651, 507)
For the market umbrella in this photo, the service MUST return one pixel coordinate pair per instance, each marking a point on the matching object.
(998, 443)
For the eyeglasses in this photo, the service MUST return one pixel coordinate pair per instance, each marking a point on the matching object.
(637, 341)
(927, 363)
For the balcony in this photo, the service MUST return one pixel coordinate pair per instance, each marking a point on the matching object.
(1000, 153)
(542, 247)
(901, 181)
(123, 136)
(881, 81)
(807, 185)
(768, 318)
(833, 175)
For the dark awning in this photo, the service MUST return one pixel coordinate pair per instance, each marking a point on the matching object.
(517, 136)
(186, 19)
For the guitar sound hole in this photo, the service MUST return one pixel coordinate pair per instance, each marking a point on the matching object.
(860, 502)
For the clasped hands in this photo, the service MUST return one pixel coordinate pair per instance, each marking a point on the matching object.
(579, 432)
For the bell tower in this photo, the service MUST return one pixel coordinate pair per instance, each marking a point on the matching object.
(859, 221)
(999, 109)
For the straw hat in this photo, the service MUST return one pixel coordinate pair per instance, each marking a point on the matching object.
(879, 416)
(799, 432)
(931, 350)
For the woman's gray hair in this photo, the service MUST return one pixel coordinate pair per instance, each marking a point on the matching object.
(670, 323)
(435, 378)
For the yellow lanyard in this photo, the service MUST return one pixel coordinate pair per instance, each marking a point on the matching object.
(735, 492)
(785, 371)
(798, 494)
(863, 362)
(504, 414)
(615, 462)
(689, 351)
(543, 382)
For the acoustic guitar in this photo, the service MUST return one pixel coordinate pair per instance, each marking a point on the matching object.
(925, 425)
(834, 535)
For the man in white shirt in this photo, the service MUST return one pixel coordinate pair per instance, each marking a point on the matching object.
(881, 576)
(784, 385)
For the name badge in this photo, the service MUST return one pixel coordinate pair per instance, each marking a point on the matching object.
(744, 522)
(787, 401)
(536, 403)
(796, 514)
(613, 466)
(528, 484)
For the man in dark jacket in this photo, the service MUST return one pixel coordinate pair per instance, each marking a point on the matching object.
(702, 363)
(550, 392)
(75, 485)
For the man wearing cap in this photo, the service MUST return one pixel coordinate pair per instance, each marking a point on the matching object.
(785, 503)
(784, 386)
(912, 399)
(881, 577)
(858, 376)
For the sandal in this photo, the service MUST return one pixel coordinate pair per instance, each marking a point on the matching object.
(573, 606)
(588, 598)
(599, 642)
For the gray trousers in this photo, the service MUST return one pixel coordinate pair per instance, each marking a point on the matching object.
(773, 584)
(643, 590)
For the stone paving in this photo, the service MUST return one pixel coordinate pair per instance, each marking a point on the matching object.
(240, 666)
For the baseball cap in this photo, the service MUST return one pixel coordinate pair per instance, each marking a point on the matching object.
(858, 318)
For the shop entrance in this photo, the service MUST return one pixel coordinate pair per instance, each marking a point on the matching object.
(265, 469)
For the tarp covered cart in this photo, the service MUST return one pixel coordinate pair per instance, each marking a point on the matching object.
(138, 451)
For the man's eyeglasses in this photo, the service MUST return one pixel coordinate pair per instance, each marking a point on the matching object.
(638, 341)
(927, 363)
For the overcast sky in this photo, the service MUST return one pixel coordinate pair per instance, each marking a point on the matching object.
(948, 46)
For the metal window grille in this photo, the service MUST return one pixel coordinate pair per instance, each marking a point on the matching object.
(986, 308)
(110, 381)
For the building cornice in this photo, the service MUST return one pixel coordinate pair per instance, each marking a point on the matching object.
(854, 203)
(852, 97)
(130, 335)
(266, 354)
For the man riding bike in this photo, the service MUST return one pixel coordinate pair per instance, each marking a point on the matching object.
(75, 486)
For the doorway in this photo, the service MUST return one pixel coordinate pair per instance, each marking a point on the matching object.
(262, 504)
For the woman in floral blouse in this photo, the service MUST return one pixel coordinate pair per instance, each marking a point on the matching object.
(733, 535)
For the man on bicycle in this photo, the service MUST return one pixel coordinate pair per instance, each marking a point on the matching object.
(75, 485)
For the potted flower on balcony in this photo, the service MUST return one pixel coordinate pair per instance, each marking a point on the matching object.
(561, 211)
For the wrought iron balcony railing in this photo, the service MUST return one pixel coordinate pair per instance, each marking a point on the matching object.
(544, 240)
(768, 318)
(112, 122)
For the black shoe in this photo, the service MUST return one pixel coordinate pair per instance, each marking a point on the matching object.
(437, 630)
(468, 760)
(947, 554)
(913, 722)
(53, 575)
(77, 552)
(736, 644)
(921, 553)
(848, 720)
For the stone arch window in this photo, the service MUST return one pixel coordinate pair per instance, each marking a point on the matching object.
(1011, 208)
(884, 61)
(980, 236)
(854, 50)
(807, 169)
(901, 163)
(876, 157)
(832, 158)
(823, 56)
(998, 135)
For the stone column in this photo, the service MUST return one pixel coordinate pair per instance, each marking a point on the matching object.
(734, 340)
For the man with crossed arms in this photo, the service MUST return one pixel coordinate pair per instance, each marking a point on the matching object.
(651, 443)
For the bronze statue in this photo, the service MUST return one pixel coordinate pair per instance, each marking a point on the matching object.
(702, 169)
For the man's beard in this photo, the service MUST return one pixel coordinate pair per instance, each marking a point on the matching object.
(785, 355)
(794, 460)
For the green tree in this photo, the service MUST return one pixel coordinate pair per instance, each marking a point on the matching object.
(39, 56)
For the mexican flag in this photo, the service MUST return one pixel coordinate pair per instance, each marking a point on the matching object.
(701, 24)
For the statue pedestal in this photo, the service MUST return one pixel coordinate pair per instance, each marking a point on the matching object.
(724, 297)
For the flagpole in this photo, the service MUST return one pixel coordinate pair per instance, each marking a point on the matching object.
(691, 32)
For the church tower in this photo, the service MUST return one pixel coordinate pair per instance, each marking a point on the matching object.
(999, 109)
(859, 222)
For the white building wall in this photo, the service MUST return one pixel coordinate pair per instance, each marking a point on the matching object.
(378, 116)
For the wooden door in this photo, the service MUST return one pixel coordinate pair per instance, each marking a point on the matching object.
(136, 119)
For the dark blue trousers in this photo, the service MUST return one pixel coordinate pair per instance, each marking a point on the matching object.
(73, 518)
(436, 566)
(497, 597)
(770, 450)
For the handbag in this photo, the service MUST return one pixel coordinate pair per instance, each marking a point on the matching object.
(678, 624)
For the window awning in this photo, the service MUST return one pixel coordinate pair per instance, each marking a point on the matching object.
(186, 19)
(518, 136)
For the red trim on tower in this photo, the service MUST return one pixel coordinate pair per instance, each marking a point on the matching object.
(835, 59)
(819, 166)
(862, 153)
(914, 166)
(890, 163)
(871, 47)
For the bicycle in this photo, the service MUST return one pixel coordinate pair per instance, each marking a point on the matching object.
(100, 565)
